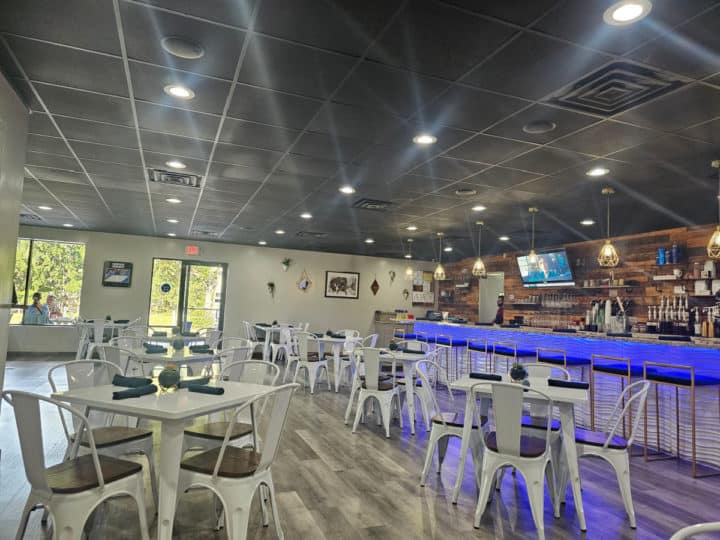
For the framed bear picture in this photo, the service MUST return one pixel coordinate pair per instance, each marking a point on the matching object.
(342, 284)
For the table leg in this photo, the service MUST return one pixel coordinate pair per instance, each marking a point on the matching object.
(571, 468)
(464, 445)
(409, 370)
(171, 438)
(266, 346)
(337, 349)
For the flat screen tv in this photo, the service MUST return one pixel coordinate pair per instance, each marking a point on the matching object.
(552, 270)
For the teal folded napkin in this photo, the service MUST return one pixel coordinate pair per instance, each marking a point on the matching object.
(200, 349)
(135, 392)
(130, 382)
(203, 389)
(121, 321)
(193, 382)
(159, 334)
(155, 349)
(189, 334)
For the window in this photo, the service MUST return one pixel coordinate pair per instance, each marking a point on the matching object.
(54, 269)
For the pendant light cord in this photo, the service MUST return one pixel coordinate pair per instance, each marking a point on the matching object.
(608, 216)
(479, 252)
(718, 197)
(532, 238)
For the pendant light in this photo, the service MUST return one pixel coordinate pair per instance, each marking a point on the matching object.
(409, 270)
(478, 269)
(439, 273)
(713, 247)
(608, 256)
(532, 256)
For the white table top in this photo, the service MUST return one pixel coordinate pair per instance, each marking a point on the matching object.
(176, 405)
(556, 393)
(170, 358)
(404, 356)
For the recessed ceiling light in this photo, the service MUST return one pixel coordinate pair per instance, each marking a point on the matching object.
(411, 228)
(424, 139)
(587, 222)
(448, 249)
(369, 241)
(306, 215)
(262, 242)
(173, 200)
(627, 12)
(504, 238)
(347, 190)
(171, 234)
(597, 171)
(465, 192)
(182, 48)
(478, 208)
(68, 225)
(280, 231)
(43, 207)
(179, 91)
(539, 126)
(175, 164)
(171, 220)
(408, 256)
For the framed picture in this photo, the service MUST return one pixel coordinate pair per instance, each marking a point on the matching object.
(342, 285)
(117, 274)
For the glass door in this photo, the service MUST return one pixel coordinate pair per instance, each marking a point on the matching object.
(187, 292)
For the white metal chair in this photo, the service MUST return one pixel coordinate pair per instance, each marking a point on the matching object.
(303, 358)
(384, 391)
(505, 445)
(444, 424)
(209, 434)
(211, 336)
(73, 488)
(698, 528)
(352, 341)
(111, 437)
(234, 474)
(283, 343)
(613, 448)
(123, 358)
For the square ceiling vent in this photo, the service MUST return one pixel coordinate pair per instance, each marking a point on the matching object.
(174, 178)
(312, 235)
(30, 217)
(373, 204)
(615, 88)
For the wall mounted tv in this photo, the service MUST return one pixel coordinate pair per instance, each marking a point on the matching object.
(552, 270)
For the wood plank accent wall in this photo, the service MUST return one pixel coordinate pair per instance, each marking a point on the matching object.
(637, 265)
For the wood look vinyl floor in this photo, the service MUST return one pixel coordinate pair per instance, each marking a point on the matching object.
(336, 485)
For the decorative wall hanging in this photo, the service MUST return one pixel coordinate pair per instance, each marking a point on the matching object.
(271, 288)
(117, 274)
(375, 287)
(286, 264)
(342, 284)
(391, 273)
(405, 294)
(304, 283)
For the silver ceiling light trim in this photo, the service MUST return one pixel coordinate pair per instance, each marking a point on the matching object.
(182, 48)
(539, 127)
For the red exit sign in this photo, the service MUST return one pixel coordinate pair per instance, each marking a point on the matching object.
(192, 250)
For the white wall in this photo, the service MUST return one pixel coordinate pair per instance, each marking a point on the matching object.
(249, 270)
(13, 135)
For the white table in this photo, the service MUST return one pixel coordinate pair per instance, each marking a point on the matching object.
(336, 345)
(167, 340)
(173, 410)
(408, 361)
(85, 327)
(565, 400)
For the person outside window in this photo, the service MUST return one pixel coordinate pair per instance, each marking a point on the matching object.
(37, 312)
(53, 309)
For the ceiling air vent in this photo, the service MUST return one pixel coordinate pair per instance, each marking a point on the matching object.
(615, 88)
(373, 204)
(209, 234)
(310, 234)
(174, 178)
(30, 217)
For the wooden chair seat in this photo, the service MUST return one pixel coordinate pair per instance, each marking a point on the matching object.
(530, 447)
(539, 422)
(257, 355)
(598, 438)
(236, 462)
(383, 385)
(454, 419)
(217, 430)
(77, 475)
(112, 435)
(313, 357)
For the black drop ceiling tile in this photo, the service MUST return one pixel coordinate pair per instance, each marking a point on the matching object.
(238, 187)
(412, 186)
(232, 12)
(686, 107)
(515, 11)
(270, 107)
(308, 166)
(449, 168)
(89, 24)
(247, 157)
(353, 122)
(181, 122)
(149, 83)
(487, 149)
(687, 157)
(280, 65)
(347, 27)
(155, 160)
(500, 177)
(40, 124)
(257, 135)
(110, 154)
(52, 161)
(69, 67)
(533, 66)
(47, 145)
(708, 132)
(324, 146)
(546, 160)
(175, 146)
(144, 29)
(229, 171)
(85, 105)
(85, 130)
(565, 122)
(605, 138)
(471, 109)
(438, 40)
(114, 171)
(49, 174)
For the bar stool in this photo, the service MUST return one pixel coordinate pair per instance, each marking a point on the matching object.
(678, 376)
(476, 346)
(559, 357)
(451, 347)
(612, 366)
(400, 333)
(508, 350)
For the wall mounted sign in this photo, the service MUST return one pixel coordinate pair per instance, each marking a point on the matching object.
(342, 285)
(117, 274)
(165, 287)
(192, 250)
